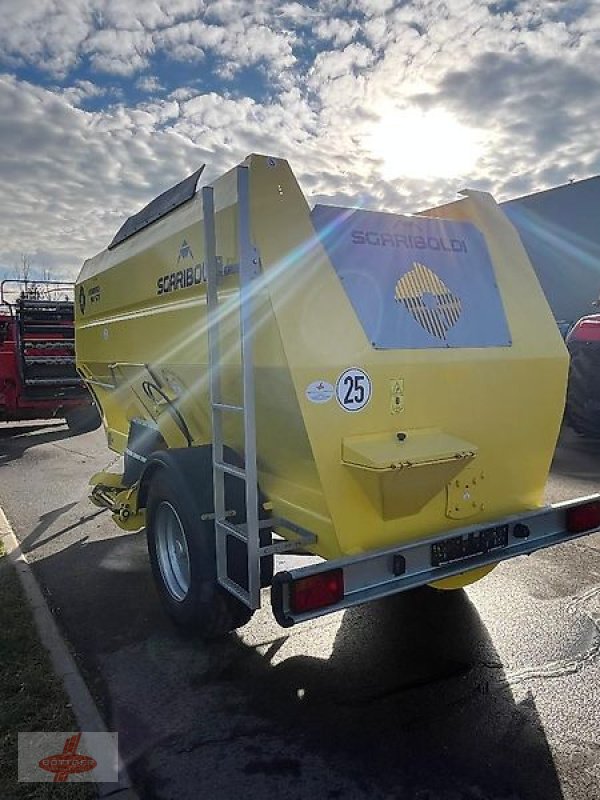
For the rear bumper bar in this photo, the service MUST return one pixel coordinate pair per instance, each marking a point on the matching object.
(380, 573)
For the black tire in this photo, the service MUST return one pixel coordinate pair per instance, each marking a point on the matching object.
(206, 609)
(83, 419)
(582, 411)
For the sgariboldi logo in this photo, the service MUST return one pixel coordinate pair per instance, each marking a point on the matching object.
(431, 303)
(69, 762)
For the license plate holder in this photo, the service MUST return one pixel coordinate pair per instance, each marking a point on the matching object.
(468, 545)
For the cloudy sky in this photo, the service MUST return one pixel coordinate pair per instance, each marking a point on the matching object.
(388, 103)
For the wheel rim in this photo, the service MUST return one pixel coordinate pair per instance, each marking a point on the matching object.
(172, 552)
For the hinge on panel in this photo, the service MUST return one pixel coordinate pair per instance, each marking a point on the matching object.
(223, 270)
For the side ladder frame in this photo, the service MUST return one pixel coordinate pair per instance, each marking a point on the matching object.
(248, 532)
(248, 272)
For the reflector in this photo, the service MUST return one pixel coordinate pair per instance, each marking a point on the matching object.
(317, 591)
(583, 518)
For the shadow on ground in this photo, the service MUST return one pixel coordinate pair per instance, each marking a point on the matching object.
(413, 696)
(37, 537)
(409, 702)
(17, 438)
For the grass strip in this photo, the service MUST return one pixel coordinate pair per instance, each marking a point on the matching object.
(32, 698)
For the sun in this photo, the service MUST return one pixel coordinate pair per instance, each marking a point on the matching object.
(424, 144)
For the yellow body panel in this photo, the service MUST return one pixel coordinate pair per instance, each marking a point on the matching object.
(478, 426)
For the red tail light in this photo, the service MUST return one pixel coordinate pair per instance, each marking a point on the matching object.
(583, 518)
(317, 591)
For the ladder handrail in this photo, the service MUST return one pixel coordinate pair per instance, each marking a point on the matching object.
(248, 274)
(212, 302)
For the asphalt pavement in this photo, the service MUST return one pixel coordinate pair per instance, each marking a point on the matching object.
(485, 694)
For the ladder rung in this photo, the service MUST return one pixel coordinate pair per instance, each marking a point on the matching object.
(281, 547)
(227, 407)
(262, 524)
(239, 531)
(231, 470)
(235, 589)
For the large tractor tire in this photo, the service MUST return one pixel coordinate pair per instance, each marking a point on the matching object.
(583, 395)
(83, 419)
(182, 545)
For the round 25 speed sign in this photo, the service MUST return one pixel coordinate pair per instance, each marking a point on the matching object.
(353, 389)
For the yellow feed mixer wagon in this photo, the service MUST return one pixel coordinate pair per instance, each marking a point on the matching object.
(382, 391)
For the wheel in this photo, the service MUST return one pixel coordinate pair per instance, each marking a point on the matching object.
(83, 419)
(583, 396)
(182, 549)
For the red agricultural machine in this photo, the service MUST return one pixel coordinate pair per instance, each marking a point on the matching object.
(38, 379)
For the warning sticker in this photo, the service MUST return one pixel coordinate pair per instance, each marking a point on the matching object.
(319, 392)
(353, 389)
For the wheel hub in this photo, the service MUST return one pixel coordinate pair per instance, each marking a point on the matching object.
(172, 551)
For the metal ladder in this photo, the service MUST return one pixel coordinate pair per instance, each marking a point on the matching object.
(248, 532)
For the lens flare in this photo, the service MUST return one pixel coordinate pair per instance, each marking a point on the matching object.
(424, 144)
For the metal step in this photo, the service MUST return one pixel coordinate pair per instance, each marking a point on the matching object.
(52, 381)
(53, 392)
(46, 344)
(46, 327)
(65, 361)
